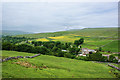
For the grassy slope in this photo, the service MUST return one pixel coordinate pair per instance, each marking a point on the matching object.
(0, 70)
(57, 67)
(94, 37)
(14, 54)
(92, 32)
(113, 46)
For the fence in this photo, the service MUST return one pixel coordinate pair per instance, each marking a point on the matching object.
(9, 58)
(114, 67)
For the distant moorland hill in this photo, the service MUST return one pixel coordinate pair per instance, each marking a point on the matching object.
(13, 32)
(91, 32)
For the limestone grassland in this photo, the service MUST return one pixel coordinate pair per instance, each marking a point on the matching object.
(45, 66)
(107, 38)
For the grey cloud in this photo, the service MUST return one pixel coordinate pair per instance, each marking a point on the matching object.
(41, 17)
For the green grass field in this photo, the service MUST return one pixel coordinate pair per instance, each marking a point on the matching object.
(45, 66)
(0, 65)
(113, 46)
(89, 42)
(87, 32)
(14, 54)
(94, 37)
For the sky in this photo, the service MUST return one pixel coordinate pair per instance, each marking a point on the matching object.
(58, 16)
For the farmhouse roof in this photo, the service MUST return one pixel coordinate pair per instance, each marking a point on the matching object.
(86, 49)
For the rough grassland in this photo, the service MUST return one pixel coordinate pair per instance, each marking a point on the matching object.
(45, 66)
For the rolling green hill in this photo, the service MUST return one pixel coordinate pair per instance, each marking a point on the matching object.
(94, 37)
(45, 66)
(113, 46)
(90, 32)
(13, 32)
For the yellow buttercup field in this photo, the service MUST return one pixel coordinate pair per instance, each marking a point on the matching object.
(66, 38)
(42, 39)
(59, 37)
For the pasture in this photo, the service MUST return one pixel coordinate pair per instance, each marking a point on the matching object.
(107, 44)
(113, 46)
(6, 54)
(87, 32)
(94, 37)
(45, 66)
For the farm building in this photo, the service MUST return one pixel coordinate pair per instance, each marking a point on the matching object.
(86, 50)
(81, 55)
(106, 55)
(64, 50)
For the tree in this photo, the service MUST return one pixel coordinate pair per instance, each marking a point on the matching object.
(44, 50)
(33, 42)
(80, 46)
(76, 51)
(50, 45)
(72, 50)
(95, 57)
(81, 40)
(115, 60)
(100, 48)
(69, 43)
(55, 54)
(7, 46)
(57, 43)
(41, 49)
(78, 42)
(24, 48)
(66, 45)
(63, 47)
(54, 49)
(60, 54)
(36, 43)
(39, 43)
(67, 55)
(111, 58)
(90, 52)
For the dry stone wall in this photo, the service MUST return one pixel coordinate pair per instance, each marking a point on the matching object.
(9, 58)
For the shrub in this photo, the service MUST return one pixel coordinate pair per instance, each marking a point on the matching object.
(100, 48)
(81, 58)
(115, 61)
(95, 57)
(7, 46)
(78, 42)
(111, 58)
(67, 55)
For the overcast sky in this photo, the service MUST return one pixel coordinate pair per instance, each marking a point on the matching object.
(53, 16)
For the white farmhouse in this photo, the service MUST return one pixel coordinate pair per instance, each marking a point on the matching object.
(86, 51)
